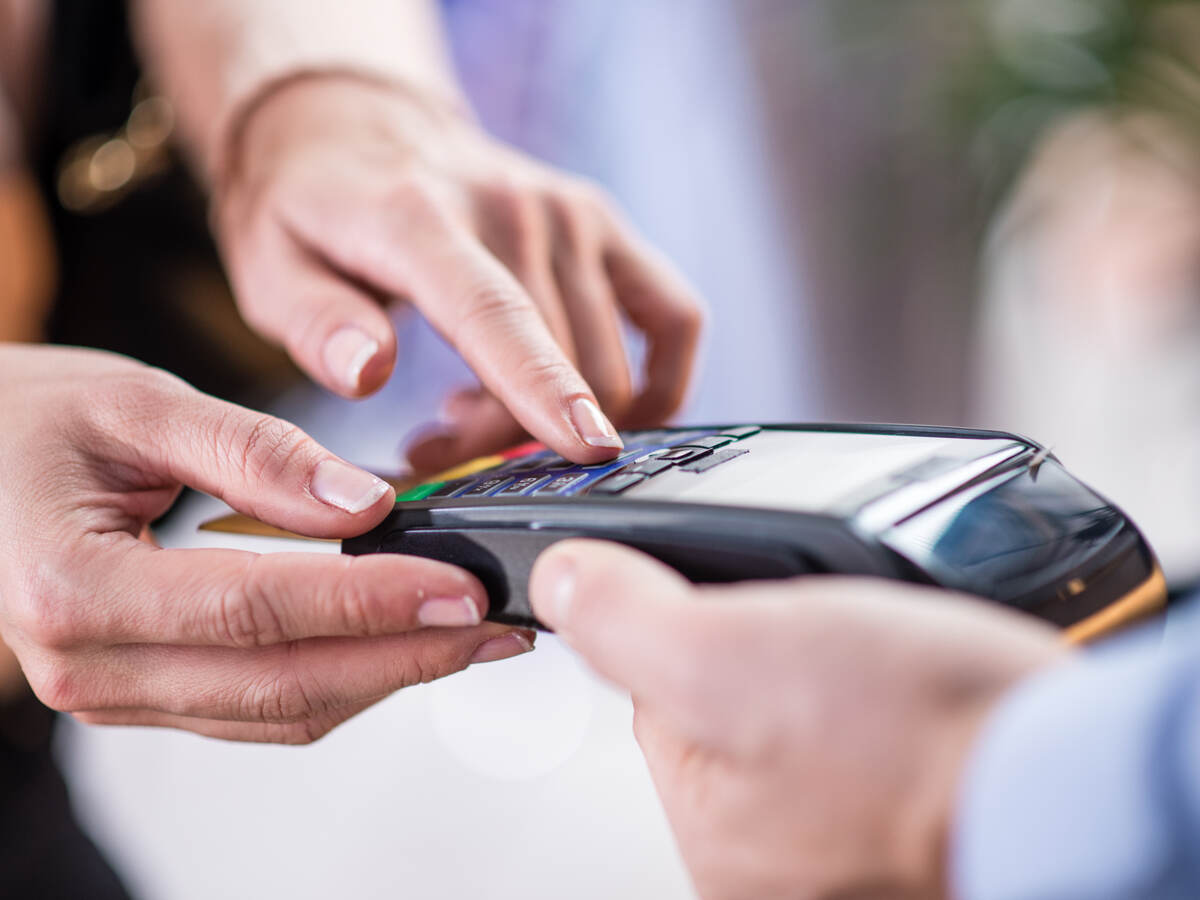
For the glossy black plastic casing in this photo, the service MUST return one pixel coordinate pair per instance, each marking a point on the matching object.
(1024, 533)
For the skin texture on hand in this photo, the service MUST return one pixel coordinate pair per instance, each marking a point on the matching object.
(278, 647)
(343, 194)
(806, 737)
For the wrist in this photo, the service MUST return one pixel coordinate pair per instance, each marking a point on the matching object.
(275, 100)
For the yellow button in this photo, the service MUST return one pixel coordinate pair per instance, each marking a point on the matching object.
(469, 468)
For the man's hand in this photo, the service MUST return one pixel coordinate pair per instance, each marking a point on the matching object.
(341, 194)
(806, 737)
(279, 647)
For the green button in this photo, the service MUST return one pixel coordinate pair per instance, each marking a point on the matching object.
(421, 491)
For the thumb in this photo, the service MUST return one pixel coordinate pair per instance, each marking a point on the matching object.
(260, 465)
(633, 619)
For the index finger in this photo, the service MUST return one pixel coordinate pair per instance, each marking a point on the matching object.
(480, 307)
(415, 249)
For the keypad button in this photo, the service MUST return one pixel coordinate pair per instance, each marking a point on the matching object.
(709, 442)
(741, 433)
(526, 463)
(624, 457)
(561, 484)
(555, 464)
(679, 455)
(649, 467)
(420, 492)
(520, 486)
(616, 483)
(713, 459)
(450, 488)
(484, 487)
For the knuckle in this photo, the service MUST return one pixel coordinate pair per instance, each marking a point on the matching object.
(263, 447)
(58, 686)
(247, 615)
(280, 697)
(495, 312)
(511, 203)
(690, 316)
(580, 210)
(118, 403)
(589, 195)
(542, 371)
(361, 609)
(418, 198)
(43, 610)
(423, 668)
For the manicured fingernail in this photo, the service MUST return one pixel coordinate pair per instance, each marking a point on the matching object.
(347, 353)
(507, 645)
(451, 612)
(346, 487)
(593, 426)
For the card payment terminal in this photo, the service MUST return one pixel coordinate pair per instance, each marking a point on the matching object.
(985, 512)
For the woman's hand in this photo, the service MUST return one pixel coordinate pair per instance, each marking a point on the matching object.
(278, 647)
(806, 737)
(340, 194)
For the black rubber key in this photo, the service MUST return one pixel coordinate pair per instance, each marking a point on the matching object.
(624, 457)
(616, 484)
(485, 487)
(520, 486)
(742, 433)
(449, 488)
(560, 484)
(717, 457)
(679, 455)
(712, 442)
(650, 467)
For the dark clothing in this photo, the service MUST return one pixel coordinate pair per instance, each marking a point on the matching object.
(43, 851)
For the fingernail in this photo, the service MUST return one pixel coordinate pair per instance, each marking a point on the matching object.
(592, 425)
(346, 487)
(347, 353)
(504, 647)
(451, 612)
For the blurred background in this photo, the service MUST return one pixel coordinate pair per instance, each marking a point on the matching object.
(976, 212)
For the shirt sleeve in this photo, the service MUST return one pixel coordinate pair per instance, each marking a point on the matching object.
(1086, 783)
